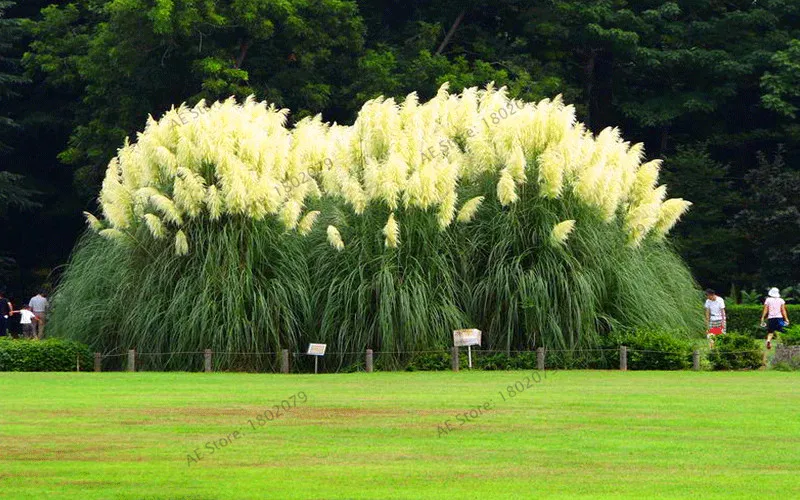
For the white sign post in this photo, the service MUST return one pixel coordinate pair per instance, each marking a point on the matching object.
(316, 350)
(469, 338)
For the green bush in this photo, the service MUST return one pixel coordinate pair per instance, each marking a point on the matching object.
(440, 361)
(735, 351)
(791, 336)
(650, 349)
(503, 361)
(51, 355)
(746, 318)
(430, 361)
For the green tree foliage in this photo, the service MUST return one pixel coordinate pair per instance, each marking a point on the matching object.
(772, 217)
(782, 84)
(10, 77)
(132, 58)
(707, 236)
(702, 83)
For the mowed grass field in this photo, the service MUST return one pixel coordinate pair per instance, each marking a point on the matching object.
(590, 434)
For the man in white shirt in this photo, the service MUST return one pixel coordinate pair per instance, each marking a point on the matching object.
(715, 313)
(39, 306)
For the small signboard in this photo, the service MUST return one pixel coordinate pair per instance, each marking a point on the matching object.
(316, 349)
(465, 338)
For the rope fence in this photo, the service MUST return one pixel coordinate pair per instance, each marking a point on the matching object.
(545, 357)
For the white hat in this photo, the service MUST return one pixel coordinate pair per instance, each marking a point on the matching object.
(774, 292)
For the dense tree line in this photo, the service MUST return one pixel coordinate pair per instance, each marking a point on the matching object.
(710, 86)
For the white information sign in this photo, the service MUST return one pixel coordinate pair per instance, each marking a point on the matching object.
(316, 349)
(465, 338)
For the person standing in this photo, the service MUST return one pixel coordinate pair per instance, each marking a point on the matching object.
(775, 312)
(5, 311)
(39, 306)
(715, 314)
(27, 317)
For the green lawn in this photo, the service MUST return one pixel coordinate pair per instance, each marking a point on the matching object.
(576, 434)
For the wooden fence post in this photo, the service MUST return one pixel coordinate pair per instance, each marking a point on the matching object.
(455, 358)
(207, 360)
(97, 359)
(540, 359)
(623, 358)
(369, 361)
(285, 361)
(131, 360)
(696, 360)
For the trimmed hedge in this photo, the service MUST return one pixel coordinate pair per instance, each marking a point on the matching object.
(791, 337)
(648, 349)
(51, 355)
(734, 351)
(745, 318)
(654, 349)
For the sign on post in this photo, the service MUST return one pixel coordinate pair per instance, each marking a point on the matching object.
(467, 337)
(316, 350)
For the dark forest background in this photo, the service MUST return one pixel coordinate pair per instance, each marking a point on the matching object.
(712, 87)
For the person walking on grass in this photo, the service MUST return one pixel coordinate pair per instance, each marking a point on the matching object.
(27, 317)
(715, 315)
(5, 311)
(39, 306)
(775, 312)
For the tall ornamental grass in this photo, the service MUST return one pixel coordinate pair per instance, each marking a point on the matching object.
(222, 228)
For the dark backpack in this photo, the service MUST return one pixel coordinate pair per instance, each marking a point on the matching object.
(4, 309)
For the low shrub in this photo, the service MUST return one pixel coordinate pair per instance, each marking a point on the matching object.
(734, 351)
(602, 358)
(430, 361)
(651, 349)
(791, 336)
(440, 361)
(51, 355)
(503, 361)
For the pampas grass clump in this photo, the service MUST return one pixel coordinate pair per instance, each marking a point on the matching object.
(232, 232)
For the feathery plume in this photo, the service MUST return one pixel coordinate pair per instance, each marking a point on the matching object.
(93, 222)
(561, 232)
(335, 239)
(392, 232)
(307, 222)
(155, 226)
(469, 209)
(506, 189)
(181, 245)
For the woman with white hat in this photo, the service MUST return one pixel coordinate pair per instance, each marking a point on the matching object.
(778, 318)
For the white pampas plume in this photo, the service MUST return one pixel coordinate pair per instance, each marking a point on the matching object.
(113, 234)
(469, 209)
(93, 222)
(392, 232)
(290, 213)
(516, 164)
(671, 211)
(181, 245)
(213, 202)
(155, 226)
(335, 239)
(167, 208)
(307, 222)
(561, 232)
(506, 189)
